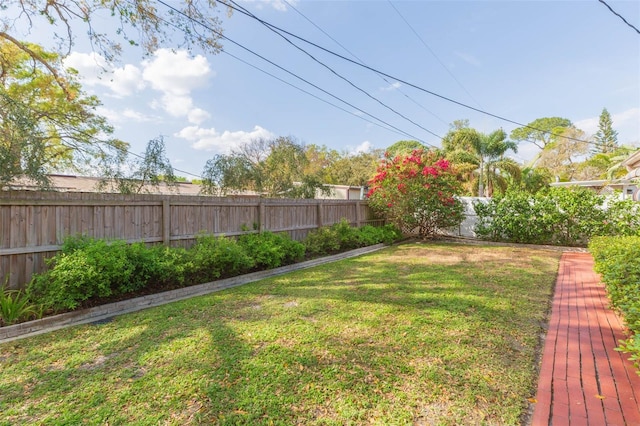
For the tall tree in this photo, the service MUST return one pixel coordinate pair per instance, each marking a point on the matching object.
(561, 157)
(541, 131)
(144, 174)
(273, 168)
(606, 139)
(43, 127)
(143, 23)
(480, 158)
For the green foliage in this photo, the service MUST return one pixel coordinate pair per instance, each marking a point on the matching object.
(617, 259)
(144, 174)
(341, 236)
(46, 121)
(322, 241)
(88, 268)
(270, 250)
(156, 265)
(213, 257)
(15, 306)
(541, 131)
(606, 138)
(417, 191)
(561, 216)
(98, 269)
(480, 160)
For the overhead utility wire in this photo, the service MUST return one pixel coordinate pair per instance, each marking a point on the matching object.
(422, 89)
(307, 92)
(287, 71)
(355, 86)
(433, 53)
(619, 16)
(356, 57)
(294, 86)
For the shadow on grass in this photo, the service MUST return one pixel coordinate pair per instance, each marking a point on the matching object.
(360, 339)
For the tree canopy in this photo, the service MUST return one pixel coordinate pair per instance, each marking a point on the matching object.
(541, 131)
(44, 127)
(480, 158)
(144, 23)
(270, 167)
(606, 138)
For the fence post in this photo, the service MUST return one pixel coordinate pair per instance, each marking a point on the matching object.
(166, 222)
(358, 215)
(319, 214)
(261, 214)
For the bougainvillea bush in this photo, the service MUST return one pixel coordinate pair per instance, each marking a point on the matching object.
(417, 191)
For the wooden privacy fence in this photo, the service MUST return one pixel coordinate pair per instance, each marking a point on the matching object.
(33, 225)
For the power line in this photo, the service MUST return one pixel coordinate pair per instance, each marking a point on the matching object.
(307, 92)
(356, 57)
(424, 43)
(415, 86)
(619, 16)
(287, 71)
(247, 13)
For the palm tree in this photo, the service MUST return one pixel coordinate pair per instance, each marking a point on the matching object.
(480, 158)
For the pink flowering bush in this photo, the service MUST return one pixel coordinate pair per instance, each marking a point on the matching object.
(417, 191)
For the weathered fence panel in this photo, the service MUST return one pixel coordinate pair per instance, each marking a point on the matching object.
(33, 225)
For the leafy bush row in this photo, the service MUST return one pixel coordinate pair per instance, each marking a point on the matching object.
(561, 216)
(618, 261)
(89, 269)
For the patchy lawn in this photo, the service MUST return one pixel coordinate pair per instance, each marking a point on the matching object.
(413, 334)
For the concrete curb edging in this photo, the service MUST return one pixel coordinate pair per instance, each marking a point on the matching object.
(98, 313)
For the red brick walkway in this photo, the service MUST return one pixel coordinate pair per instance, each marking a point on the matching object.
(583, 380)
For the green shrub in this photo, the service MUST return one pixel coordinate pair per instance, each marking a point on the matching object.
(341, 236)
(270, 250)
(15, 306)
(347, 235)
(561, 216)
(97, 269)
(516, 217)
(370, 235)
(156, 265)
(617, 259)
(322, 241)
(213, 257)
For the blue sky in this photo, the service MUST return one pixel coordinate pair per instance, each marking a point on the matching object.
(517, 59)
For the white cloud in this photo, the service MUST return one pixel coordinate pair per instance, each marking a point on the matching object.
(176, 72)
(630, 115)
(127, 115)
(176, 75)
(588, 125)
(468, 58)
(198, 116)
(393, 86)
(94, 70)
(363, 147)
(211, 140)
(280, 5)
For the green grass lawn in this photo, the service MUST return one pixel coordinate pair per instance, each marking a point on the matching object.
(413, 334)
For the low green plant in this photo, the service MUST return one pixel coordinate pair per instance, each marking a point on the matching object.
(321, 241)
(617, 259)
(561, 216)
(156, 265)
(15, 306)
(213, 257)
(270, 250)
(97, 269)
